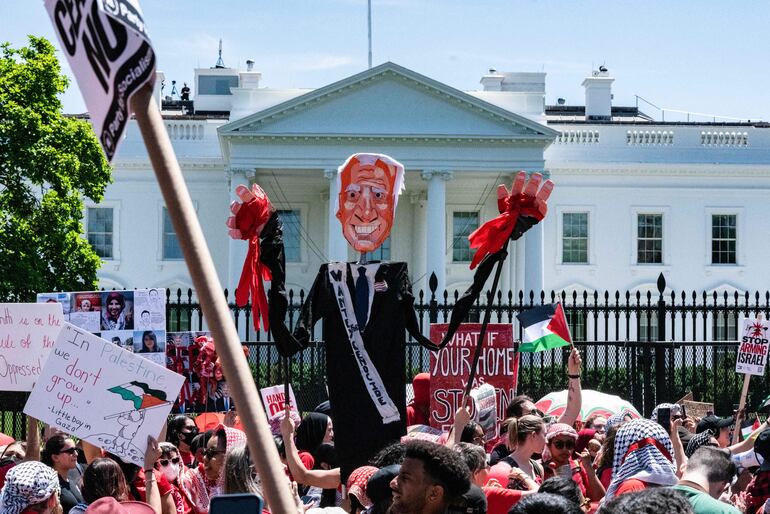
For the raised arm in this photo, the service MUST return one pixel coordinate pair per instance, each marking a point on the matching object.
(323, 478)
(574, 392)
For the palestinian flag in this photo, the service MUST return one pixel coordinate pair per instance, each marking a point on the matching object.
(142, 396)
(544, 328)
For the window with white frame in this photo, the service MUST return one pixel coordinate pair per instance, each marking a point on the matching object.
(463, 224)
(724, 326)
(724, 238)
(575, 238)
(292, 228)
(649, 240)
(100, 231)
(383, 252)
(576, 320)
(648, 326)
(171, 249)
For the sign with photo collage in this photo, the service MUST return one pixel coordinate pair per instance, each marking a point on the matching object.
(193, 355)
(134, 320)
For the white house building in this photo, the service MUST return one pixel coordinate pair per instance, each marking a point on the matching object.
(634, 197)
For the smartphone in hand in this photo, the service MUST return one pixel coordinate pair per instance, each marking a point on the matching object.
(664, 418)
(236, 504)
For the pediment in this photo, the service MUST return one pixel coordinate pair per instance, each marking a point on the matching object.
(389, 101)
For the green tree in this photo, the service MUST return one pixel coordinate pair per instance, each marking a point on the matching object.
(48, 163)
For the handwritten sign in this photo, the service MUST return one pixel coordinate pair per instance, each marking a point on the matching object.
(97, 391)
(274, 400)
(450, 369)
(753, 347)
(27, 334)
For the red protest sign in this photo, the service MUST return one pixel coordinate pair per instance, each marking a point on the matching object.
(450, 369)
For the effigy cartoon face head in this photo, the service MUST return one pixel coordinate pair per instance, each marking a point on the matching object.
(369, 188)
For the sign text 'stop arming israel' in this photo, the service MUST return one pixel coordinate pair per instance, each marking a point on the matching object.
(110, 54)
(753, 347)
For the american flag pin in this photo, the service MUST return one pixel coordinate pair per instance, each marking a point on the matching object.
(380, 287)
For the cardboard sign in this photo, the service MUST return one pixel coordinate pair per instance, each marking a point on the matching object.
(450, 369)
(485, 402)
(753, 347)
(274, 400)
(95, 390)
(698, 409)
(109, 52)
(27, 334)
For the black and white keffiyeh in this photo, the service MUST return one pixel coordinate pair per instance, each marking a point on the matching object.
(697, 441)
(617, 419)
(26, 484)
(643, 450)
(675, 408)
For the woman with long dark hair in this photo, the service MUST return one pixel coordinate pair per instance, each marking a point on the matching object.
(61, 454)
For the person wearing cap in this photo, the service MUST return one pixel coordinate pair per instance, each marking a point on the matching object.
(758, 490)
(378, 488)
(560, 443)
(30, 487)
(708, 473)
(720, 427)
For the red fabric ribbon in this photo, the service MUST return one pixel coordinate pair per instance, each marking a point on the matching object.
(492, 236)
(252, 216)
(648, 441)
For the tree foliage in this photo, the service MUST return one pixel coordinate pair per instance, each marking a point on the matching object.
(48, 163)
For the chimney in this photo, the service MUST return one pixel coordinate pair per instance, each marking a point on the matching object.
(599, 95)
(493, 81)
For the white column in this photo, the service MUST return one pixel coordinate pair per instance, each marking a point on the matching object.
(418, 256)
(336, 245)
(436, 215)
(533, 260)
(237, 248)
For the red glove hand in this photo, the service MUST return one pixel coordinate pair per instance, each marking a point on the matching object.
(249, 220)
(523, 207)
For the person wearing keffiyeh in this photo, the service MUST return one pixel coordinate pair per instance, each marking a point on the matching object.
(30, 484)
(643, 458)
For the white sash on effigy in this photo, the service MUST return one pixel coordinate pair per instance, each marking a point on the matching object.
(338, 272)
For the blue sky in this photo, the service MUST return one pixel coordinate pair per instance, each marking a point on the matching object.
(705, 56)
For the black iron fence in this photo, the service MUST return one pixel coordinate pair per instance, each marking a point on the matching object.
(647, 347)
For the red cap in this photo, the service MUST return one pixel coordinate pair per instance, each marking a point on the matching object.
(109, 505)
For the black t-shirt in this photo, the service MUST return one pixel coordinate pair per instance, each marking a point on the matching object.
(358, 427)
(70, 494)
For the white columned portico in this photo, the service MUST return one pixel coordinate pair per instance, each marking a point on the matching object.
(237, 248)
(436, 216)
(336, 245)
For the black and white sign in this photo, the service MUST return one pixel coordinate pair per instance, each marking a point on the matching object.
(110, 54)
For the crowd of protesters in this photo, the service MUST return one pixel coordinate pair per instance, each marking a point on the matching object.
(615, 464)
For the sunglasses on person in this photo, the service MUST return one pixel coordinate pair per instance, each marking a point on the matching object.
(165, 462)
(210, 453)
(560, 445)
(71, 451)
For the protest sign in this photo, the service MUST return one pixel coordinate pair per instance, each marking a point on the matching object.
(95, 390)
(274, 400)
(753, 347)
(27, 334)
(698, 409)
(485, 403)
(134, 320)
(450, 369)
(110, 55)
(751, 358)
